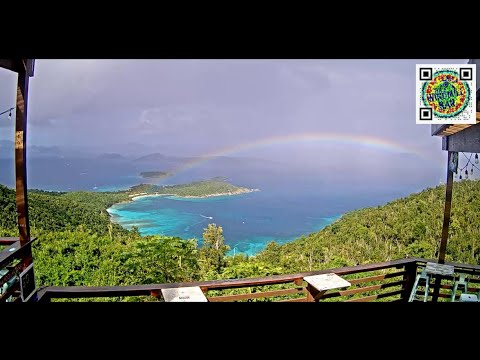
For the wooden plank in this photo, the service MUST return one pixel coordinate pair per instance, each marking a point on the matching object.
(30, 67)
(9, 250)
(236, 297)
(447, 211)
(374, 297)
(467, 140)
(458, 266)
(8, 240)
(362, 290)
(279, 279)
(376, 277)
(451, 129)
(439, 269)
(20, 157)
(7, 257)
(9, 64)
(436, 129)
(298, 282)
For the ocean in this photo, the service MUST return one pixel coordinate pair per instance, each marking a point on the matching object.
(290, 204)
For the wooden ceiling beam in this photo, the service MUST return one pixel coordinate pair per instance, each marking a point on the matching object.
(19, 65)
(8, 64)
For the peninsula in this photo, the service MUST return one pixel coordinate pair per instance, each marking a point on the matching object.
(197, 189)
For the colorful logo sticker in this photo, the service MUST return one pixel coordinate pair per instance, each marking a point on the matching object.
(446, 94)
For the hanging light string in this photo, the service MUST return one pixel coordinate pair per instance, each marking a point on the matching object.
(9, 112)
(469, 162)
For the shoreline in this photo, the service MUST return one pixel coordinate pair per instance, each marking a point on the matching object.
(134, 197)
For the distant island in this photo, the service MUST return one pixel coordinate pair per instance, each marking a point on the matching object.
(154, 174)
(197, 189)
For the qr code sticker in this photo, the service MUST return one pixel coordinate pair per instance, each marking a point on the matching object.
(446, 94)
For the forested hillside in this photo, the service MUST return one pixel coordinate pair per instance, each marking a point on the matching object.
(405, 227)
(78, 245)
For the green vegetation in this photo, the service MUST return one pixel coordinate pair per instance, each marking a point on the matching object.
(62, 211)
(154, 174)
(214, 250)
(194, 189)
(407, 227)
(78, 245)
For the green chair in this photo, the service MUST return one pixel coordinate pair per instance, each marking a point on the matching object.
(421, 278)
(460, 284)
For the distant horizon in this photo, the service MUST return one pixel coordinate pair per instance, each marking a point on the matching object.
(354, 117)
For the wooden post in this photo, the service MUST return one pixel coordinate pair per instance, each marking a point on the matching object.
(409, 280)
(20, 152)
(446, 213)
(310, 297)
(446, 225)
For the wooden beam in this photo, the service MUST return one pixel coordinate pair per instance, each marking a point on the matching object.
(20, 154)
(446, 225)
(30, 66)
(436, 129)
(446, 212)
(16, 65)
(9, 64)
(6, 257)
(466, 140)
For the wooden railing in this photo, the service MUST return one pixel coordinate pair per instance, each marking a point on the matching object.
(444, 292)
(388, 281)
(15, 256)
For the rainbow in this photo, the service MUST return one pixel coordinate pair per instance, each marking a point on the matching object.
(374, 143)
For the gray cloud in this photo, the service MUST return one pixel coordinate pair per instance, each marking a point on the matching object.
(196, 106)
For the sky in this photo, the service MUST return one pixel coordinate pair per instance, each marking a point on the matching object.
(196, 107)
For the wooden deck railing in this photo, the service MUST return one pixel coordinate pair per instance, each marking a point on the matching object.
(388, 281)
(14, 258)
(447, 282)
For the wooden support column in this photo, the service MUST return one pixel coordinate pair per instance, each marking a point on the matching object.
(20, 151)
(446, 212)
(446, 225)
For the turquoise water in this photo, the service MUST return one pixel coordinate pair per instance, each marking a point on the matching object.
(289, 204)
(249, 221)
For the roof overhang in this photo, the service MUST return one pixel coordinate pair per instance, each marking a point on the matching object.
(19, 65)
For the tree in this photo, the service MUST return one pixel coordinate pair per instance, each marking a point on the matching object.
(213, 251)
(161, 259)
